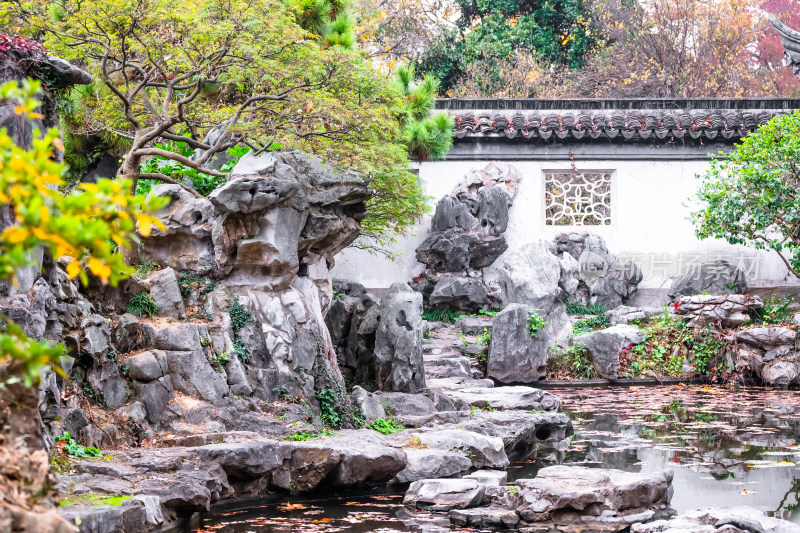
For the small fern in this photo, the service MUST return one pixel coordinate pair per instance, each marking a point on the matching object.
(142, 305)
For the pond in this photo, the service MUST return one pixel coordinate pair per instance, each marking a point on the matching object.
(727, 446)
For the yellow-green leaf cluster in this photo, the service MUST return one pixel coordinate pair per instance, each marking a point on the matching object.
(88, 225)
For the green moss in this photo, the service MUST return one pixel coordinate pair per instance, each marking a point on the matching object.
(94, 500)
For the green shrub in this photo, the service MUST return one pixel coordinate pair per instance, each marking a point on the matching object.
(240, 350)
(145, 267)
(327, 404)
(77, 450)
(535, 323)
(775, 311)
(219, 361)
(570, 363)
(706, 348)
(142, 304)
(239, 316)
(194, 283)
(386, 426)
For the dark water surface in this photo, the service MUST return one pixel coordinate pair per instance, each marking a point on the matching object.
(727, 446)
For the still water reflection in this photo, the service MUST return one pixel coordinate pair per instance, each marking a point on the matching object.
(728, 446)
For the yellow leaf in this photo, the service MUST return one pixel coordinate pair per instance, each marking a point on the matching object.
(146, 223)
(99, 269)
(15, 235)
(73, 269)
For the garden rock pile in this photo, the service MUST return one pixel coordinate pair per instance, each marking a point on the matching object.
(616, 286)
(467, 236)
(578, 498)
(769, 352)
(723, 310)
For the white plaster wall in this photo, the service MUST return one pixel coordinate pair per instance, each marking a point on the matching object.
(649, 211)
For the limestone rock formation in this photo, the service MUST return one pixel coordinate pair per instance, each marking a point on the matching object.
(581, 495)
(229, 336)
(398, 349)
(714, 277)
(466, 236)
(515, 356)
(531, 275)
(726, 310)
(269, 236)
(768, 352)
(572, 497)
(602, 277)
(604, 346)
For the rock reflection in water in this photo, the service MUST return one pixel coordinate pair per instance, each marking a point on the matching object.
(728, 446)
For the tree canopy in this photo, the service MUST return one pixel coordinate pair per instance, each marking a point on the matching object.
(172, 73)
(612, 48)
(489, 33)
(752, 195)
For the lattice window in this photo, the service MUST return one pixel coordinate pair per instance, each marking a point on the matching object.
(577, 198)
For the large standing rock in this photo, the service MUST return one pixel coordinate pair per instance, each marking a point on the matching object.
(514, 354)
(268, 236)
(360, 349)
(531, 276)
(713, 277)
(467, 227)
(604, 346)
(398, 343)
(339, 317)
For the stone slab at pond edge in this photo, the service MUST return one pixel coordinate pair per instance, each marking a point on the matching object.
(565, 498)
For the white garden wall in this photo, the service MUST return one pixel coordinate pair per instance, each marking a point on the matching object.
(649, 223)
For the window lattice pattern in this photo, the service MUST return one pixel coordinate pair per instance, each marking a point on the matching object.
(577, 199)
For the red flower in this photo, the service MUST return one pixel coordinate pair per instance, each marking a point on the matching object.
(677, 305)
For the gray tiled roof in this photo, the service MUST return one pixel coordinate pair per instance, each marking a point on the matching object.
(618, 120)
